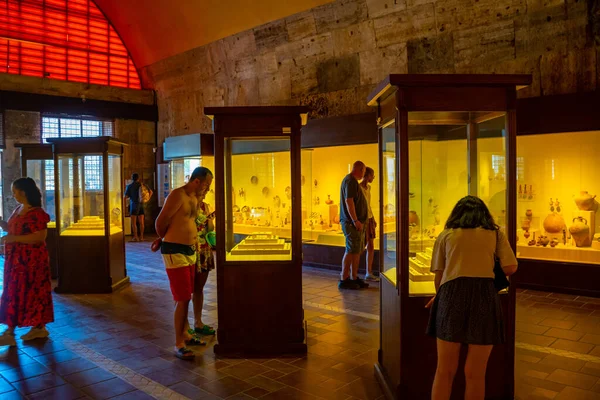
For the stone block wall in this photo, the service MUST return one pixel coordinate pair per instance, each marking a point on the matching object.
(332, 56)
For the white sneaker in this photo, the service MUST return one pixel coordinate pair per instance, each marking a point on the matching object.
(7, 339)
(35, 333)
(371, 278)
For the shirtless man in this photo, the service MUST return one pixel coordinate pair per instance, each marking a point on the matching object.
(177, 227)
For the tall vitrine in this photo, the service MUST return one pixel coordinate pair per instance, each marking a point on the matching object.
(259, 271)
(37, 162)
(441, 137)
(89, 214)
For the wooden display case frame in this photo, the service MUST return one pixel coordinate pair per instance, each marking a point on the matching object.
(407, 356)
(41, 152)
(90, 264)
(260, 302)
(577, 112)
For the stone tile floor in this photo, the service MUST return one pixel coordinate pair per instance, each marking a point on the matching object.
(118, 346)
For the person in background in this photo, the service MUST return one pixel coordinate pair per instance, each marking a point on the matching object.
(178, 236)
(27, 292)
(371, 227)
(137, 193)
(354, 214)
(205, 262)
(466, 308)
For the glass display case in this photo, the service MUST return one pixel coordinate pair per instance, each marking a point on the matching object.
(258, 182)
(442, 137)
(89, 210)
(187, 152)
(558, 227)
(37, 162)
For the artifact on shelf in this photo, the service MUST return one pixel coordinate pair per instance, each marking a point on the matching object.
(580, 231)
(254, 180)
(413, 218)
(585, 201)
(554, 223)
(526, 234)
(529, 213)
(531, 242)
(553, 243)
(276, 201)
(265, 191)
(328, 201)
(543, 240)
(302, 180)
(288, 192)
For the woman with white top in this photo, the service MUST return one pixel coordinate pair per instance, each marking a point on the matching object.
(466, 308)
(371, 224)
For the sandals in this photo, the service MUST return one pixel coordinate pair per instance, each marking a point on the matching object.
(195, 341)
(184, 353)
(204, 331)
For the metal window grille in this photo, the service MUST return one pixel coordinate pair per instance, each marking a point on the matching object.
(49, 167)
(93, 172)
(63, 39)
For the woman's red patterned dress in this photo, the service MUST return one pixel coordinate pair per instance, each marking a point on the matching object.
(27, 296)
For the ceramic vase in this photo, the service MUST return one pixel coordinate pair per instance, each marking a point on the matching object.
(543, 240)
(526, 235)
(526, 224)
(529, 213)
(328, 201)
(413, 218)
(554, 223)
(585, 201)
(580, 231)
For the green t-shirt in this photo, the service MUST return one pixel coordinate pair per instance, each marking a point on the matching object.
(351, 190)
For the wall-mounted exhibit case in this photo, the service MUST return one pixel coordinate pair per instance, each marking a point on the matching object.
(329, 148)
(186, 153)
(441, 137)
(37, 162)
(89, 214)
(558, 220)
(259, 274)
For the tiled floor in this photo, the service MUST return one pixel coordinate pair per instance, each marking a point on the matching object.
(119, 346)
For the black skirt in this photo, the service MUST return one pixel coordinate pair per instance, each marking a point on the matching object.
(467, 310)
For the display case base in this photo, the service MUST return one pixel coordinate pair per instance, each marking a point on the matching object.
(330, 257)
(561, 277)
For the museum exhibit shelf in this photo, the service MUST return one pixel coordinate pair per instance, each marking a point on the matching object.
(89, 214)
(37, 162)
(259, 274)
(441, 137)
(558, 225)
(184, 154)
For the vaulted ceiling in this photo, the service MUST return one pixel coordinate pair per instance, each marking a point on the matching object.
(156, 29)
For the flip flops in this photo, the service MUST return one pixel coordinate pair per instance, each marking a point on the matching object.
(184, 353)
(205, 331)
(195, 341)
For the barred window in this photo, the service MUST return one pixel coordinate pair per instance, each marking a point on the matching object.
(49, 179)
(56, 127)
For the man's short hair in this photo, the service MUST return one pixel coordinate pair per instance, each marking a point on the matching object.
(358, 165)
(201, 173)
(135, 176)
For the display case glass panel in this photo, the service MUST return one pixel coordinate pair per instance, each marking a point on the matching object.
(115, 190)
(259, 199)
(81, 189)
(450, 155)
(322, 176)
(42, 172)
(557, 210)
(390, 178)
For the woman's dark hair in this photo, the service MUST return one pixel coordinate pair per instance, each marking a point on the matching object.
(471, 212)
(32, 192)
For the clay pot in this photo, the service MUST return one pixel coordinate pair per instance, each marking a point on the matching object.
(531, 242)
(413, 218)
(543, 240)
(553, 243)
(528, 213)
(585, 201)
(580, 231)
(526, 224)
(328, 201)
(526, 234)
(554, 223)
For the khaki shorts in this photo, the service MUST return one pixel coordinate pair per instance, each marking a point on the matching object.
(355, 239)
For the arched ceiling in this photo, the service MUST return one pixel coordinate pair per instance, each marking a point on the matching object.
(156, 29)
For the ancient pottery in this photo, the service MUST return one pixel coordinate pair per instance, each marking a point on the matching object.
(529, 213)
(585, 201)
(526, 234)
(328, 201)
(553, 243)
(526, 224)
(554, 223)
(413, 218)
(531, 242)
(543, 240)
(580, 231)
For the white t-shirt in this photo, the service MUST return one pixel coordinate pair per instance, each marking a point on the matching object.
(367, 192)
(470, 253)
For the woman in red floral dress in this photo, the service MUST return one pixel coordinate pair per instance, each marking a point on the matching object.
(27, 295)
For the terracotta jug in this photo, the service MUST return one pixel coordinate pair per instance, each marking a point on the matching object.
(413, 218)
(526, 224)
(585, 201)
(580, 232)
(543, 240)
(528, 213)
(554, 223)
(328, 201)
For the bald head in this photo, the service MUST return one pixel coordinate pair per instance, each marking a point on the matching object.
(358, 170)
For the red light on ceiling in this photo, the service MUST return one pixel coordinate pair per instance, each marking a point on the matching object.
(63, 39)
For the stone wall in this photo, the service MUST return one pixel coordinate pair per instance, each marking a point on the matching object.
(332, 56)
